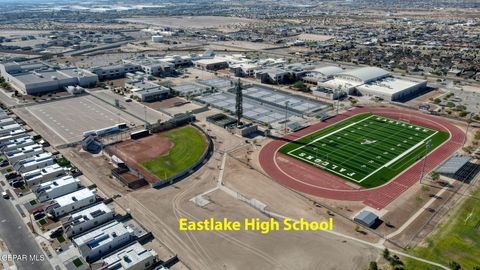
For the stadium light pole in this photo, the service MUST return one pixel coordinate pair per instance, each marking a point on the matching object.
(337, 93)
(427, 146)
(286, 116)
(145, 110)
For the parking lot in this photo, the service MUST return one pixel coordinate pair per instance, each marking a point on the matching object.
(69, 118)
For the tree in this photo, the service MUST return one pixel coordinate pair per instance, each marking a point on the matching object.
(300, 86)
(373, 266)
(386, 254)
(434, 175)
(437, 101)
(353, 101)
(454, 265)
(450, 104)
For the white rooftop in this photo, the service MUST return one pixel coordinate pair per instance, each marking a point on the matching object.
(73, 197)
(102, 235)
(41, 171)
(388, 86)
(56, 183)
(90, 213)
(128, 257)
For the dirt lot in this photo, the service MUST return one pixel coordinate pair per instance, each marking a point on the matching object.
(225, 250)
(191, 22)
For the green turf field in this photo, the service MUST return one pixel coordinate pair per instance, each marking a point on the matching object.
(188, 146)
(366, 149)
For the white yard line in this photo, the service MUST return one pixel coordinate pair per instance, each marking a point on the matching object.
(375, 171)
(399, 156)
(331, 133)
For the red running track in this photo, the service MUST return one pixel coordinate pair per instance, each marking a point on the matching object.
(305, 178)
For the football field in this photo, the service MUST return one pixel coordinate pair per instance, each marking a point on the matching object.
(366, 149)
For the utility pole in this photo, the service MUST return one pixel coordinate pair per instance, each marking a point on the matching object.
(286, 116)
(427, 147)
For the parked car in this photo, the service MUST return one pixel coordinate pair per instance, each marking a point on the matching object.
(58, 232)
(39, 215)
(3, 163)
(11, 175)
(36, 211)
(17, 184)
(5, 195)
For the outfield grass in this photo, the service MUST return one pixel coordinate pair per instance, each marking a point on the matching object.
(188, 147)
(366, 149)
(457, 240)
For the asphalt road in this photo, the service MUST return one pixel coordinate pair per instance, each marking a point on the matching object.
(135, 108)
(19, 240)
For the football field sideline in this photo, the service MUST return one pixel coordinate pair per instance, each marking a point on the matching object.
(363, 147)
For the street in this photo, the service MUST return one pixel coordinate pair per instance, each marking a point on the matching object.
(19, 240)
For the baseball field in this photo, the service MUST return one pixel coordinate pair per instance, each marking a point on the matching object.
(187, 147)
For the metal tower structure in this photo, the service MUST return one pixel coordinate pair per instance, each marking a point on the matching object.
(238, 102)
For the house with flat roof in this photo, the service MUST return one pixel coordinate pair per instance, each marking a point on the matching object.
(131, 257)
(23, 153)
(12, 135)
(44, 174)
(71, 202)
(103, 240)
(6, 121)
(5, 130)
(36, 162)
(84, 220)
(56, 188)
(212, 64)
(18, 143)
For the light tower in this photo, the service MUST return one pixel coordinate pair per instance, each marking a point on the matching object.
(238, 102)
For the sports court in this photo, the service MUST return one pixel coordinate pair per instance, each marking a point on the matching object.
(366, 149)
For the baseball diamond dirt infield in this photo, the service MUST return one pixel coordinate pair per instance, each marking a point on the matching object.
(303, 177)
(160, 155)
